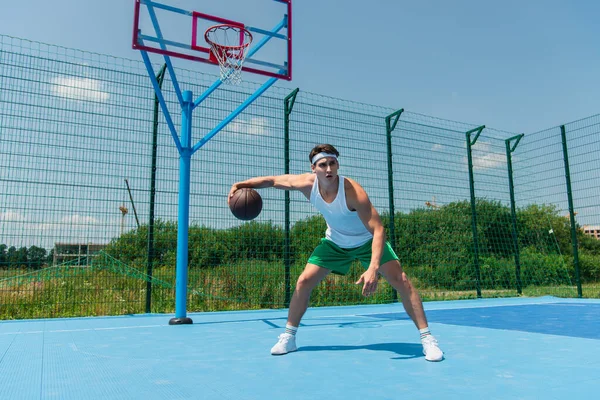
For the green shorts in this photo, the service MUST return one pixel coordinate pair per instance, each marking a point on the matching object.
(329, 255)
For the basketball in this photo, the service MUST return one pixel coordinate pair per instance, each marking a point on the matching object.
(245, 204)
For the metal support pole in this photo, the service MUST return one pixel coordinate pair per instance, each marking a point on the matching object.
(574, 242)
(513, 212)
(183, 221)
(149, 267)
(389, 128)
(137, 220)
(470, 143)
(288, 104)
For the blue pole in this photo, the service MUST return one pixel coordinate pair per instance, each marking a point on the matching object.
(183, 222)
(161, 99)
(162, 46)
(234, 114)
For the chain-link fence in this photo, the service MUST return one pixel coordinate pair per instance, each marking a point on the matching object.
(89, 180)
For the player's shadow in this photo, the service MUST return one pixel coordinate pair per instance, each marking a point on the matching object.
(404, 351)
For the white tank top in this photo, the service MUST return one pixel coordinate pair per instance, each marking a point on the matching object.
(344, 227)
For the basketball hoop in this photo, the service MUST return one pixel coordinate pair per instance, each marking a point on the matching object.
(230, 56)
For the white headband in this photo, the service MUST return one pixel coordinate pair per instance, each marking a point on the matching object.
(322, 155)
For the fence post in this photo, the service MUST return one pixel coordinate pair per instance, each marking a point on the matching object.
(509, 150)
(288, 104)
(160, 77)
(470, 143)
(574, 242)
(389, 128)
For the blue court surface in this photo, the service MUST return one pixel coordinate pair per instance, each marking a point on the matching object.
(519, 348)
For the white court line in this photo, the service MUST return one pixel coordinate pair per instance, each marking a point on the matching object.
(125, 327)
(81, 329)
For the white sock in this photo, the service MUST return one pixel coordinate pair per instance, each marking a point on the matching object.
(424, 333)
(291, 329)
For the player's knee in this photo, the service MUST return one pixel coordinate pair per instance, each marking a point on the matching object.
(304, 282)
(399, 277)
(404, 278)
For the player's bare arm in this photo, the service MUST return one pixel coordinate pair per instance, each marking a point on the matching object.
(300, 182)
(357, 199)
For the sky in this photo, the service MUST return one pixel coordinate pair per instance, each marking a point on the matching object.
(519, 66)
(514, 67)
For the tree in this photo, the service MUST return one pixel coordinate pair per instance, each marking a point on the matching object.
(36, 256)
(3, 256)
(17, 258)
(50, 257)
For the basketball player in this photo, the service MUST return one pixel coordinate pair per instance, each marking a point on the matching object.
(354, 231)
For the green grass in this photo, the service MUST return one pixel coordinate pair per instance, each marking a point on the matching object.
(116, 289)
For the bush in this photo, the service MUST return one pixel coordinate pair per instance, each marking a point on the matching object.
(305, 236)
(435, 246)
(589, 267)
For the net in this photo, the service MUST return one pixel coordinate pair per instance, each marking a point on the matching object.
(228, 45)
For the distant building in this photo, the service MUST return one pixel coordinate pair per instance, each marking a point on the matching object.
(82, 252)
(592, 230)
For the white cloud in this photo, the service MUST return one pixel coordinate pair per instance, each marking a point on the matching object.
(72, 220)
(485, 158)
(78, 88)
(11, 216)
(491, 160)
(256, 126)
(77, 219)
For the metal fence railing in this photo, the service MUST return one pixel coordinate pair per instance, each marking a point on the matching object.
(88, 195)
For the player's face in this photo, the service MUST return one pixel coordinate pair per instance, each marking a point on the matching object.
(326, 168)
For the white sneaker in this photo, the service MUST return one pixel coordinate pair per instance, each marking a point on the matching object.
(286, 344)
(431, 350)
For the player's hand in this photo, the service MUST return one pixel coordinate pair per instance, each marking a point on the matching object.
(234, 188)
(369, 280)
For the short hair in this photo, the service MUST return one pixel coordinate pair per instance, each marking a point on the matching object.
(322, 148)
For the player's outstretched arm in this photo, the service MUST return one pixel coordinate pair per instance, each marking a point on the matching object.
(301, 182)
